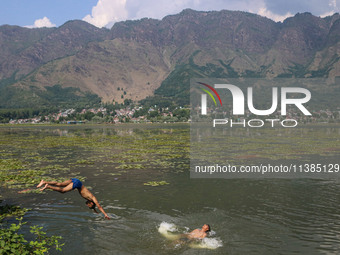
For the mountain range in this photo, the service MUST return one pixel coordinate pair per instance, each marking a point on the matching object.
(147, 58)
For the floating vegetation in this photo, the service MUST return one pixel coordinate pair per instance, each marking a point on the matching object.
(154, 183)
(114, 174)
(11, 211)
(35, 191)
(11, 164)
(130, 166)
(56, 153)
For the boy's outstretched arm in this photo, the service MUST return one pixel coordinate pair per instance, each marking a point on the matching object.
(94, 199)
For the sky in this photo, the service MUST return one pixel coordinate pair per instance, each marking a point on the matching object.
(104, 13)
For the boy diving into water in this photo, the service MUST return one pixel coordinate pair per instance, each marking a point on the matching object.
(62, 187)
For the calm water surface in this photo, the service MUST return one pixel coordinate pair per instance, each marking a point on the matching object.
(268, 216)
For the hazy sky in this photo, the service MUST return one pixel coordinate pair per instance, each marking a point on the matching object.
(39, 13)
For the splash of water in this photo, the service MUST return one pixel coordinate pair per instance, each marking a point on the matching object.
(167, 227)
(167, 230)
(207, 243)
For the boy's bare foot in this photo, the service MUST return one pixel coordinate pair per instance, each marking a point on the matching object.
(40, 184)
(44, 187)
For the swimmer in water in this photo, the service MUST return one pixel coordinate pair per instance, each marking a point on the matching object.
(195, 234)
(68, 185)
(199, 233)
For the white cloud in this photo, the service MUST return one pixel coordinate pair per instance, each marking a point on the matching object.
(160, 8)
(276, 17)
(44, 22)
(332, 4)
(107, 12)
(327, 14)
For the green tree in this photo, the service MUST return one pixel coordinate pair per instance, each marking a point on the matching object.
(153, 114)
(181, 113)
(97, 119)
(88, 115)
(127, 102)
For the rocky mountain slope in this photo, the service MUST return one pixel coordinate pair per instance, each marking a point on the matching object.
(136, 59)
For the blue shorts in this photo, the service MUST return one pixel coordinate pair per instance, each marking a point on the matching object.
(76, 184)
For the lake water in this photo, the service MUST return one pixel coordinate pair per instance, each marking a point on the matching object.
(247, 216)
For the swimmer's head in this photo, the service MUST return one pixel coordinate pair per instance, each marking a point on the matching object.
(90, 204)
(206, 228)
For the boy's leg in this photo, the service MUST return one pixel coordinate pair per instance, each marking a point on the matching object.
(59, 189)
(61, 184)
(58, 184)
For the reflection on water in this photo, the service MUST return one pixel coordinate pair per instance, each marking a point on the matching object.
(268, 216)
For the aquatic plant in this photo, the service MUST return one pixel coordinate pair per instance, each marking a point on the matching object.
(12, 241)
(154, 183)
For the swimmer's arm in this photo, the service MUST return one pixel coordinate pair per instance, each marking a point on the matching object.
(94, 199)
